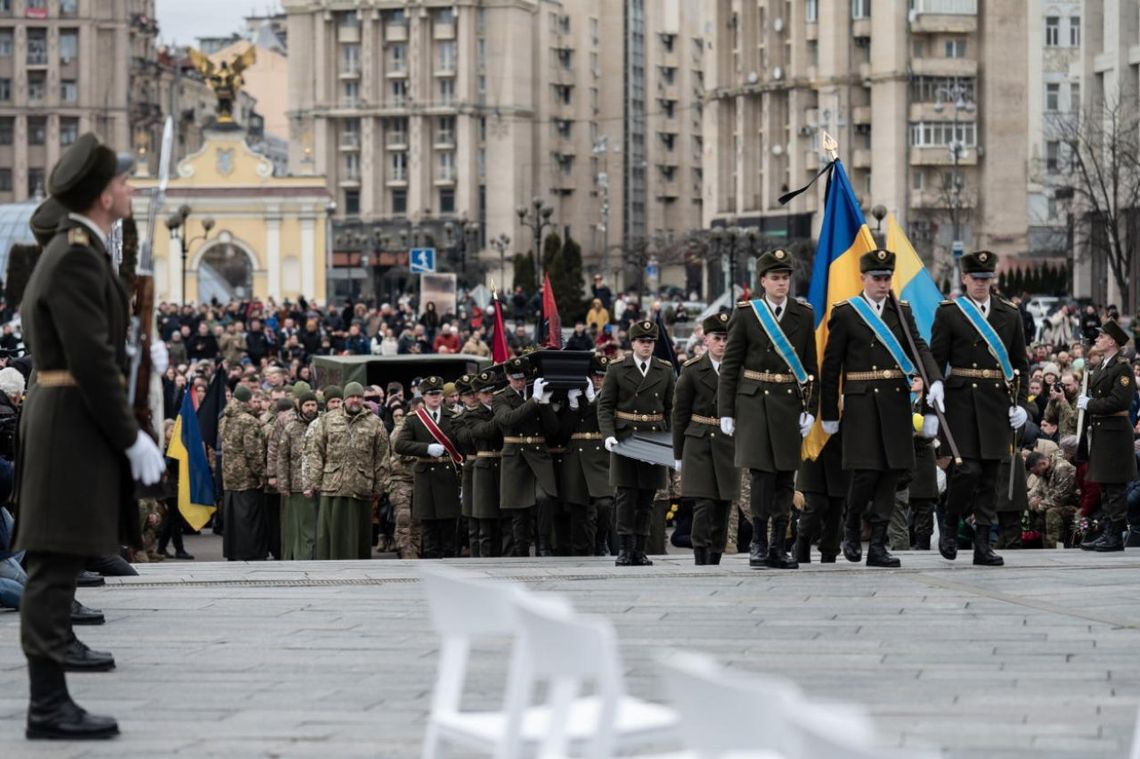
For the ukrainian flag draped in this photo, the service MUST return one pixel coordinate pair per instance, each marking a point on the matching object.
(912, 282)
(835, 276)
(195, 483)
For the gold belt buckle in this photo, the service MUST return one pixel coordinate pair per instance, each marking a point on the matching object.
(886, 374)
(645, 417)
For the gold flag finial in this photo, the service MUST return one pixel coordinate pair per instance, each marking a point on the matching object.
(830, 146)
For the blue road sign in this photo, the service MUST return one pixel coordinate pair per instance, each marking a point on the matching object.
(422, 260)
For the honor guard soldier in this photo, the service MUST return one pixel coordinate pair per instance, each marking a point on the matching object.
(868, 352)
(637, 396)
(768, 379)
(981, 338)
(586, 467)
(704, 453)
(73, 507)
(527, 485)
(480, 435)
(467, 402)
(1112, 462)
(429, 435)
(824, 483)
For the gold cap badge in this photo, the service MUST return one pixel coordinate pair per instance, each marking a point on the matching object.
(882, 255)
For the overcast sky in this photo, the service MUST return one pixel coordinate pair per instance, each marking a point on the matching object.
(181, 21)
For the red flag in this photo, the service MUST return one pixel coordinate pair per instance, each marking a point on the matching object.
(499, 350)
(550, 314)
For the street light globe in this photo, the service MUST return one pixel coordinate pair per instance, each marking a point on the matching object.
(547, 211)
(521, 211)
(208, 224)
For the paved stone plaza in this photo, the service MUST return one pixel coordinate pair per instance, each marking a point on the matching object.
(336, 659)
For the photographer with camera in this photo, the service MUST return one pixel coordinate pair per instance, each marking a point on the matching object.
(1061, 410)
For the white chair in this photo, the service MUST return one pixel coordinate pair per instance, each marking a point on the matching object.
(1136, 739)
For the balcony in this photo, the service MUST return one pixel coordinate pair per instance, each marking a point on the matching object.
(396, 140)
(348, 33)
(667, 189)
(349, 71)
(933, 23)
(861, 114)
(861, 158)
(349, 141)
(861, 27)
(963, 67)
(396, 33)
(443, 31)
(940, 156)
(945, 7)
(445, 175)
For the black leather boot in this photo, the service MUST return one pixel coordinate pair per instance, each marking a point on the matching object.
(81, 615)
(714, 557)
(777, 557)
(80, 658)
(803, 550)
(948, 538)
(51, 712)
(90, 579)
(984, 555)
(922, 542)
(542, 547)
(700, 556)
(639, 559)
(758, 548)
(1133, 539)
(1111, 539)
(827, 558)
(877, 553)
(625, 554)
(853, 539)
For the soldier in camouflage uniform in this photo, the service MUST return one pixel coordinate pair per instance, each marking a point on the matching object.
(151, 512)
(1055, 494)
(346, 461)
(298, 508)
(272, 421)
(400, 486)
(243, 471)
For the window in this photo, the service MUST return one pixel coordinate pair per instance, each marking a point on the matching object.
(36, 182)
(566, 164)
(396, 131)
(956, 48)
(5, 43)
(562, 26)
(918, 180)
(668, 140)
(932, 134)
(917, 48)
(37, 47)
(352, 202)
(481, 84)
(481, 162)
(860, 9)
(37, 86)
(351, 93)
(931, 89)
(446, 56)
(668, 73)
(594, 31)
(445, 130)
(481, 50)
(1075, 31)
(6, 6)
(400, 92)
(396, 16)
(352, 166)
(667, 41)
(811, 11)
(1052, 155)
(350, 133)
(1052, 31)
(5, 180)
(69, 7)
(399, 201)
(350, 59)
(7, 128)
(398, 58)
(1052, 96)
(68, 91)
(35, 5)
(562, 127)
(68, 45)
(1075, 97)
(446, 200)
(5, 90)
(37, 130)
(348, 19)
(398, 167)
(446, 91)
(446, 166)
(441, 16)
(68, 131)
(563, 93)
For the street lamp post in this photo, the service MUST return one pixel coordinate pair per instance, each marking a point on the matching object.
(602, 148)
(501, 244)
(176, 224)
(536, 221)
(959, 97)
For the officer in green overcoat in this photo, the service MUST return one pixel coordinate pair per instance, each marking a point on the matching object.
(468, 527)
(1112, 460)
(703, 451)
(481, 437)
(984, 407)
(81, 449)
(585, 473)
(824, 483)
(637, 396)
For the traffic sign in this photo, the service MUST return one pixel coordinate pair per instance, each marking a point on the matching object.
(421, 260)
(957, 248)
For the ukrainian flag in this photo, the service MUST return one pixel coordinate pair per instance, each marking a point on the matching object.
(912, 281)
(835, 277)
(195, 483)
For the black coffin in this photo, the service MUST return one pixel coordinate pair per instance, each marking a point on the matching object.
(563, 370)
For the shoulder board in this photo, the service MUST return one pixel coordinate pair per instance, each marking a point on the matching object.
(1122, 360)
(837, 304)
(1009, 303)
(692, 360)
(663, 362)
(946, 302)
(743, 303)
(78, 236)
(805, 304)
(502, 390)
(904, 303)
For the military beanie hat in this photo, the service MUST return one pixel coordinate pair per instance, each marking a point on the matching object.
(243, 394)
(306, 396)
(353, 389)
(333, 391)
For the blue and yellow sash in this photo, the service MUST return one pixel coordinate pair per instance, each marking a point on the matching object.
(780, 340)
(886, 337)
(997, 349)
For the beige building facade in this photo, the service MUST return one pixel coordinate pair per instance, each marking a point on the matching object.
(458, 113)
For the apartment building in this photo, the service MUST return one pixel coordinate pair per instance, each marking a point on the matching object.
(68, 67)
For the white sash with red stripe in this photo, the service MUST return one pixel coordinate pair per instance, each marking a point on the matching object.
(439, 435)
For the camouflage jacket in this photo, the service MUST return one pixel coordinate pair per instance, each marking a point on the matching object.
(346, 455)
(290, 453)
(243, 449)
(273, 442)
(1058, 488)
(399, 467)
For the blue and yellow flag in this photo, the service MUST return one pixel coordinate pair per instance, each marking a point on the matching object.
(912, 282)
(835, 274)
(195, 483)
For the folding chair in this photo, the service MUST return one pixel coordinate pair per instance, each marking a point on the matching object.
(1136, 739)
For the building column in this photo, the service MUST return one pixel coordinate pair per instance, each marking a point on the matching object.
(308, 261)
(273, 250)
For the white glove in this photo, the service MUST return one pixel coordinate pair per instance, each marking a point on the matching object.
(159, 357)
(436, 450)
(807, 421)
(591, 393)
(1017, 417)
(573, 397)
(147, 464)
(1082, 401)
(676, 465)
(936, 397)
(830, 427)
(930, 426)
(727, 425)
(611, 443)
(539, 388)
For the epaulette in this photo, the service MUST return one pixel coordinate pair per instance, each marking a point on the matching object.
(502, 390)
(78, 236)
(1009, 303)
(805, 304)
(742, 304)
(946, 302)
(840, 303)
(663, 362)
(693, 360)
(904, 303)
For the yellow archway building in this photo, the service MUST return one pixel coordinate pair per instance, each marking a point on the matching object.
(270, 233)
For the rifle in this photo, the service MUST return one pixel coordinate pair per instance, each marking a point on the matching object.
(142, 315)
(1014, 392)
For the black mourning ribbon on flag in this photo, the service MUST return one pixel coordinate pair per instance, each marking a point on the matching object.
(788, 196)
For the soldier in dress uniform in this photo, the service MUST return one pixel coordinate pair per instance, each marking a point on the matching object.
(824, 483)
(1111, 456)
(527, 486)
(468, 529)
(480, 436)
(435, 500)
(703, 452)
(586, 467)
(75, 507)
(637, 396)
(982, 404)
(759, 384)
(877, 417)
